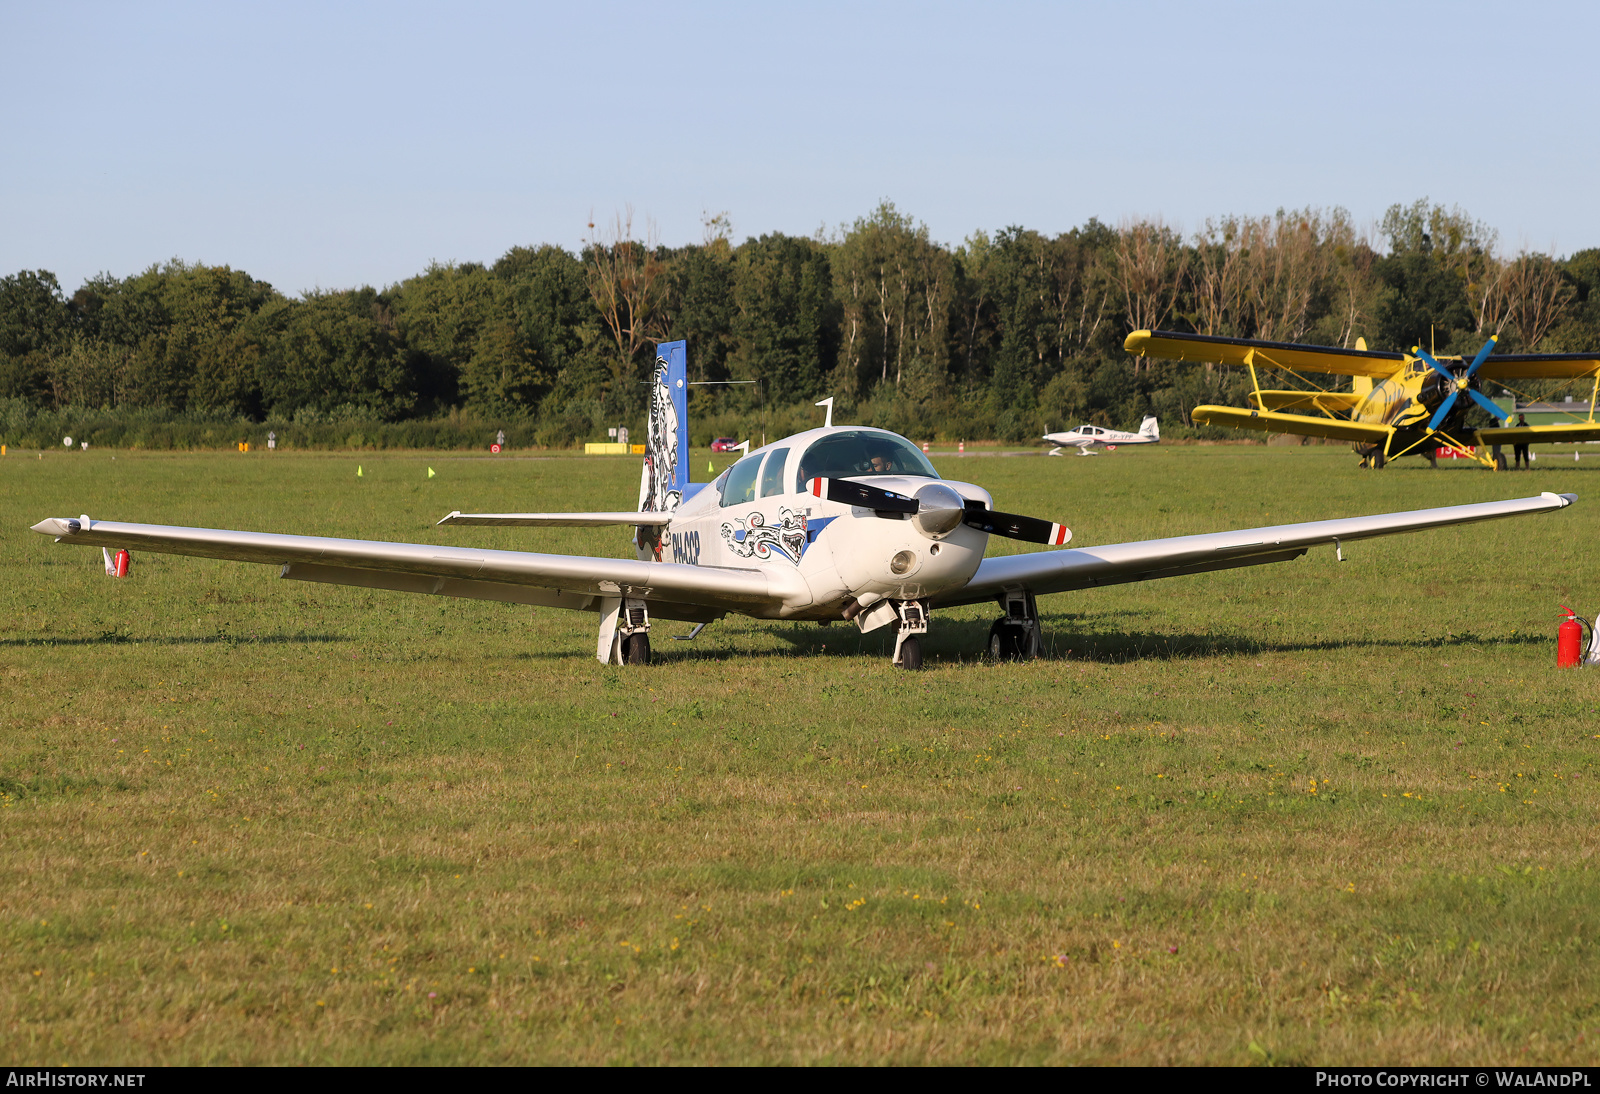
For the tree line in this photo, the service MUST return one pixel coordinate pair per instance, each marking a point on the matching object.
(1000, 336)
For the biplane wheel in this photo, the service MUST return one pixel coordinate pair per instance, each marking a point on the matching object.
(636, 649)
(1500, 461)
(1007, 641)
(911, 653)
(1378, 461)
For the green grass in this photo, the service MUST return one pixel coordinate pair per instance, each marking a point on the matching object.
(253, 821)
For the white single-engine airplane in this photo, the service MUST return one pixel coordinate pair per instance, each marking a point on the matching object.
(1086, 437)
(833, 523)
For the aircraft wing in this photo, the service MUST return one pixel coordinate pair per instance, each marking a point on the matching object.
(1173, 346)
(1539, 366)
(1119, 563)
(1304, 425)
(1556, 433)
(559, 520)
(568, 581)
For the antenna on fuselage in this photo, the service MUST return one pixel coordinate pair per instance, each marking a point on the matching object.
(828, 402)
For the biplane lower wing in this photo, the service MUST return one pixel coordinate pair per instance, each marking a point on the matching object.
(1557, 433)
(1269, 421)
(1119, 563)
(518, 577)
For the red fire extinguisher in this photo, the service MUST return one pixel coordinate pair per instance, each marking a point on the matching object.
(1569, 641)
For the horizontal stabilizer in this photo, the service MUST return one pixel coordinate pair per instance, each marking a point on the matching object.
(560, 520)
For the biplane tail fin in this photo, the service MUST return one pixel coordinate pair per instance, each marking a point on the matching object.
(1149, 428)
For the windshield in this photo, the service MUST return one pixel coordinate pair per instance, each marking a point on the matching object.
(862, 452)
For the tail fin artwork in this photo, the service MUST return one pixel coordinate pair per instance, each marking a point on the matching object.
(1149, 428)
(666, 451)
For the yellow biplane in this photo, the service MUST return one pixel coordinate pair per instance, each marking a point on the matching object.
(1398, 404)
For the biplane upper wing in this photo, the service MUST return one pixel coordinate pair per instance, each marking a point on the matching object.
(1173, 346)
(674, 590)
(1269, 421)
(1539, 366)
(1119, 563)
(1558, 433)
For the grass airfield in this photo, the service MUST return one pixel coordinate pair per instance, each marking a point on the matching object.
(1300, 813)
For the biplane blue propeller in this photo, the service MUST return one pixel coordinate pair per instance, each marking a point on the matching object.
(1459, 384)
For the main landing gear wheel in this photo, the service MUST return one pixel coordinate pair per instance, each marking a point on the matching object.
(911, 653)
(1007, 641)
(636, 649)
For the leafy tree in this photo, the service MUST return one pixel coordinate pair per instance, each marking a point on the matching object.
(34, 323)
(786, 323)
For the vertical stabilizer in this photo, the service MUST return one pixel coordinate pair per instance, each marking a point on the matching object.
(1149, 428)
(666, 446)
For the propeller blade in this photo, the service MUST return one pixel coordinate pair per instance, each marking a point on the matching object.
(1443, 412)
(849, 492)
(1014, 526)
(1437, 367)
(1479, 398)
(1483, 355)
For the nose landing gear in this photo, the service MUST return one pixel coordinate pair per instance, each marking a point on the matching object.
(913, 625)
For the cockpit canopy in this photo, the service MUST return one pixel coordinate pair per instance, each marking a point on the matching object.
(856, 452)
(841, 455)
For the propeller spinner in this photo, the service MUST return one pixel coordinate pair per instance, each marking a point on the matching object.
(1458, 384)
(937, 510)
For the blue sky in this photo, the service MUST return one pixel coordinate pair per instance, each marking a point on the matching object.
(335, 145)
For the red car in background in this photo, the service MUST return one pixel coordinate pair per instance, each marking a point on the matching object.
(724, 444)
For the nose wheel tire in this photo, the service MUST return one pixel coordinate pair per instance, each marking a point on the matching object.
(911, 653)
(636, 649)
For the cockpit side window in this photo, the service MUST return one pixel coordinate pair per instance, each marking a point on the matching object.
(856, 453)
(772, 476)
(739, 481)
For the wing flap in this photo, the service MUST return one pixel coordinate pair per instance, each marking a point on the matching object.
(707, 586)
(558, 520)
(479, 590)
(1175, 346)
(1270, 421)
(1119, 563)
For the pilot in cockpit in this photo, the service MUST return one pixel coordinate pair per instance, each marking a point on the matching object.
(882, 462)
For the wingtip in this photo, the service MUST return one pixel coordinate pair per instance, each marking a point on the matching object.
(449, 519)
(57, 526)
(1564, 499)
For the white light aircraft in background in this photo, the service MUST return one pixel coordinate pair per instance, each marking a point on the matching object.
(833, 523)
(1086, 437)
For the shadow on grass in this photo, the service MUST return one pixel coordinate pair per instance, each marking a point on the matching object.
(113, 638)
(958, 641)
(967, 640)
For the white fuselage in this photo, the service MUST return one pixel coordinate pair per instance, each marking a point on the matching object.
(1087, 436)
(820, 555)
